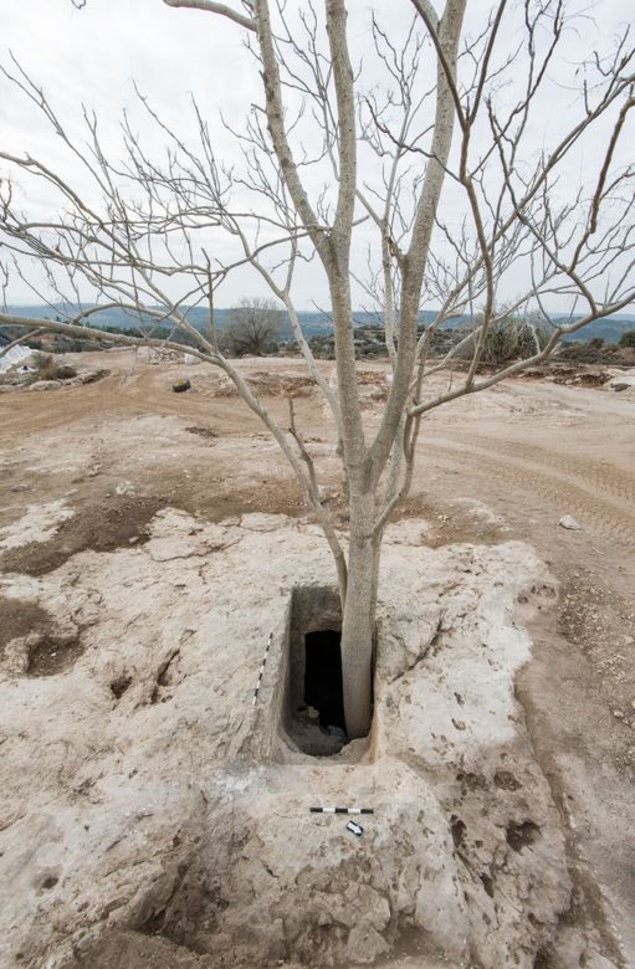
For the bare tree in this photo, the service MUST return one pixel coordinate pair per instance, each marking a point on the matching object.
(253, 326)
(423, 155)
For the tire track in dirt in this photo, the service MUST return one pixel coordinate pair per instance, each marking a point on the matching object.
(547, 481)
(602, 475)
(115, 397)
(28, 412)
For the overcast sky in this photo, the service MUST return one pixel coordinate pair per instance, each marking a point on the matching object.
(93, 55)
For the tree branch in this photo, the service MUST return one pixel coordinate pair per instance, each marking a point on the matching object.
(220, 8)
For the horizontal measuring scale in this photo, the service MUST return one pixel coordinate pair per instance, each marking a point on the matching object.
(341, 810)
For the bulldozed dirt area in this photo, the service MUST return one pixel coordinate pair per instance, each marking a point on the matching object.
(153, 815)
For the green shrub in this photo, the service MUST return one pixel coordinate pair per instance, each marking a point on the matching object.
(627, 339)
(513, 338)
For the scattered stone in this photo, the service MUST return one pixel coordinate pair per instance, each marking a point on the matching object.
(181, 386)
(125, 488)
(45, 385)
(208, 433)
(568, 521)
(66, 372)
(92, 376)
(365, 944)
(621, 382)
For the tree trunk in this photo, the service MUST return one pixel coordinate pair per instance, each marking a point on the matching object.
(358, 620)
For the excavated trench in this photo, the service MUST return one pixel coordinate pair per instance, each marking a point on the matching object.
(313, 706)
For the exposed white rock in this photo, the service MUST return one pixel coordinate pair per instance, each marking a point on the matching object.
(162, 799)
(621, 381)
(38, 524)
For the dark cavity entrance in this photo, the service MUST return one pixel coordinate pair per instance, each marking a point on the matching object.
(323, 679)
(313, 711)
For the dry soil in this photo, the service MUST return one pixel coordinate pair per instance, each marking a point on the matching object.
(140, 529)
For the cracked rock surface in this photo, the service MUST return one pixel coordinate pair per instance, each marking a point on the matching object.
(145, 795)
(129, 652)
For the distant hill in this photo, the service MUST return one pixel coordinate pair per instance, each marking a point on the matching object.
(610, 329)
(316, 323)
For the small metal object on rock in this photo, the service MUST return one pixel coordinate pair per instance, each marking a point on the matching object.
(355, 828)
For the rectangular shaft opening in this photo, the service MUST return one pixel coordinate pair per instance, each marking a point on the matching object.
(323, 679)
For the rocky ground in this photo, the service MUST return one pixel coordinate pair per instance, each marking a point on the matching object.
(153, 816)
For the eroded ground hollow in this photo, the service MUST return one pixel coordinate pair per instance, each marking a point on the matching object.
(313, 713)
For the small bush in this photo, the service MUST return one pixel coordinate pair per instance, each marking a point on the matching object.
(513, 338)
(48, 369)
(627, 339)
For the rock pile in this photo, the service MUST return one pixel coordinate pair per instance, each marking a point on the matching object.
(369, 342)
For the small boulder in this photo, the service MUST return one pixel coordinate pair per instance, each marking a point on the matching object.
(125, 488)
(620, 382)
(568, 521)
(66, 372)
(365, 944)
(181, 386)
(45, 385)
(92, 376)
